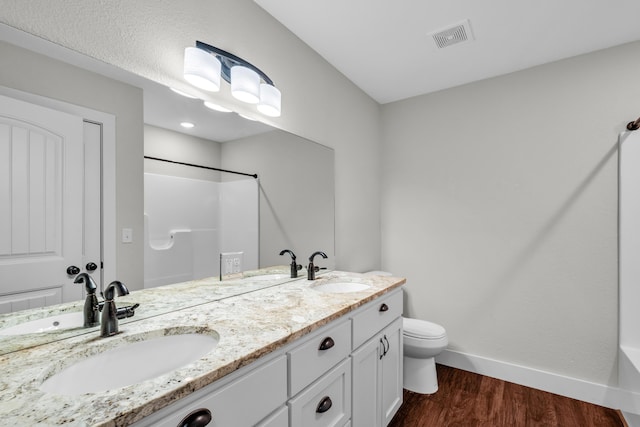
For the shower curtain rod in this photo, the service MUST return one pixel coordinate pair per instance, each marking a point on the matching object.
(634, 125)
(254, 175)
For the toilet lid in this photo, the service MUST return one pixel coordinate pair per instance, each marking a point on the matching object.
(417, 328)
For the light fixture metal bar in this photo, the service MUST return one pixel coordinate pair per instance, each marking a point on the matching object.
(228, 60)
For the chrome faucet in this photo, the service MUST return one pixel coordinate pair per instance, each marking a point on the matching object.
(311, 269)
(294, 265)
(91, 305)
(109, 324)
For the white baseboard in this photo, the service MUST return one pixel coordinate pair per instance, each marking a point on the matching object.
(598, 394)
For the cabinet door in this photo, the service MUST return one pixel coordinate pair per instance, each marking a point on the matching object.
(391, 371)
(366, 382)
(377, 378)
(240, 403)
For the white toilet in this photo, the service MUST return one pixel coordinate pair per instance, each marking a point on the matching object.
(422, 342)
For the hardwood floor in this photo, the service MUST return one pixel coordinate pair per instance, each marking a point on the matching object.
(466, 399)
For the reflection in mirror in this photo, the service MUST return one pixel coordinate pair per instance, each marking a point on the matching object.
(294, 193)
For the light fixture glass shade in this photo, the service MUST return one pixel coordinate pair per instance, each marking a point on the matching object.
(270, 98)
(202, 69)
(216, 107)
(245, 84)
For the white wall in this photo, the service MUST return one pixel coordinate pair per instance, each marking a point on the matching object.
(500, 207)
(296, 194)
(166, 144)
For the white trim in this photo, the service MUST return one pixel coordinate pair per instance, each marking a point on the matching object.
(598, 394)
(108, 122)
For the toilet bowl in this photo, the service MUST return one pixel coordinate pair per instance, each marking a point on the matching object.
(422, 342)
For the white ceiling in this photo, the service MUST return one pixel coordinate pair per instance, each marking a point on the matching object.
(385, 46)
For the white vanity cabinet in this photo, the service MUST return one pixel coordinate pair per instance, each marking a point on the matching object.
(377, 362)
(346, 373)
(248, 397)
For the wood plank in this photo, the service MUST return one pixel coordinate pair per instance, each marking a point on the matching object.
(466, 399)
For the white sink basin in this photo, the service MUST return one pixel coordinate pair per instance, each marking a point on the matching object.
(130, 363)
(341, 287)
(52, 323)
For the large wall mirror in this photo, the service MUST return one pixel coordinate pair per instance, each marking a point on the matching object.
(294, 188)
(293, 196)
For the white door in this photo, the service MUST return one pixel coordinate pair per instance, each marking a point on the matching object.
(41, 205)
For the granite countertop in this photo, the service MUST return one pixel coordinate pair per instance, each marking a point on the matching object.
(153, 302)
(249, 325)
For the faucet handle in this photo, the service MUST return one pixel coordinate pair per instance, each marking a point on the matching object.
(127, 311)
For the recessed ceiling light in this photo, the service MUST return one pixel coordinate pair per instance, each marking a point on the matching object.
(187, 125)
(185, 94)
(216, 107)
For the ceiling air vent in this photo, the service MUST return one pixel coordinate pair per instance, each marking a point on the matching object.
(460, 33)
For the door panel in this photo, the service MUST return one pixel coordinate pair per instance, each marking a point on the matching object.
(41, 159)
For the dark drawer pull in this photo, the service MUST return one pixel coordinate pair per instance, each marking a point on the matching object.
(384, 307)
(327, 343)
(198, 418)
(324, 405)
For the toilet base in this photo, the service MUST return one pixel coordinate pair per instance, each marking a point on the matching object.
(420, 375)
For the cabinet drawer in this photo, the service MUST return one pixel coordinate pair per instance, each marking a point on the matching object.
(242, 402)
(325, 403)
(317, 355)
(379, 314)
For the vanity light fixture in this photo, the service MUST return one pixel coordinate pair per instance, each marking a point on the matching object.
(205, 64)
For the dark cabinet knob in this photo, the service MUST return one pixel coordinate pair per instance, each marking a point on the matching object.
(92, 266)
(72, 270)
(198, 418)
(384, 307)
(327, 343)
(324, 405)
